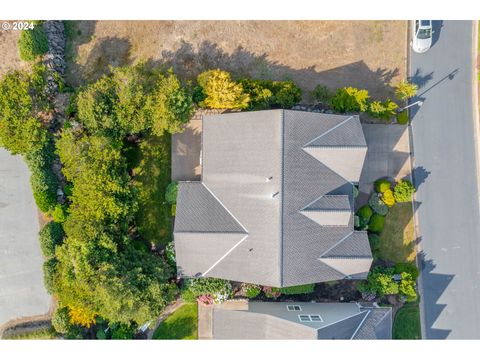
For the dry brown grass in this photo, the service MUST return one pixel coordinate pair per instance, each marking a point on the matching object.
(10, 57)
(368, 54)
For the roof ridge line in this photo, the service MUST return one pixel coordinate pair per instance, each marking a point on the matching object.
(226, 209)
(361, 323)
(329, 130)
(336, 146)
(335, 245)
(345, 318)
(224, 256)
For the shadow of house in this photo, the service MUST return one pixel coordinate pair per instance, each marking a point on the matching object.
(437, 284)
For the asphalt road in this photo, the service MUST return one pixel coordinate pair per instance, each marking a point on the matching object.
(22, 292)
(446, 176)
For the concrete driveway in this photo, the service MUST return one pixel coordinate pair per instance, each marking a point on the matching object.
(387, 155)
(22, 292)
(186, 148)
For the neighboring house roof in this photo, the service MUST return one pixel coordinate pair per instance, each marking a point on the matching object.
(275, 203)
(273, 320)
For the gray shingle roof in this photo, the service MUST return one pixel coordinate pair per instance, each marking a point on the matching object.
(272, 320)
(257, 178)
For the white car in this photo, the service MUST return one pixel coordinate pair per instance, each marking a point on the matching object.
(421, 35)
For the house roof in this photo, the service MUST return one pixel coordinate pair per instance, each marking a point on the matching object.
(277, 184)
(272, 320)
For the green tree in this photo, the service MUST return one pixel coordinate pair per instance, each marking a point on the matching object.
(21, 100)
(49, 271)
(61, 320)
(349, 99)
(171, 105)
(405, 90)
(221, 92)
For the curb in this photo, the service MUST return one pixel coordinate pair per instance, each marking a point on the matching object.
(416, 224)
(475, 99)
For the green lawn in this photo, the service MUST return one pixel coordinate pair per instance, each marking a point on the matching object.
(41, 334)
(152, 167)
(181, 325)
(407, 323)
(397, 241)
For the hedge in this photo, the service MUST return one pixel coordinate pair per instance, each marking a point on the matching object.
(298, 289)
(43, 181)
(376, 224)
(49, 270)
(50, 236)
(33, 43)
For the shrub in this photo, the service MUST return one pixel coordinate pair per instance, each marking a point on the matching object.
(298, 289)
(122, 331)
(382, 185)
(365, 212)
(43, 181)
(252, 290)
(271, 292)
(402, 117)
(170, 254)
(32, 43)
(407, 287)
(171, 193)
(219, 289)
(376, 224)
(377, 205)
(382, 110)
(388, 198)
(350, 99)
(405, 90)
(61, 320)
(409, 268)
(265, 94)
(374, 241)
(81, 316)
(403, 191)
(322, 94)
(221, 92)
(59, 213)
(49, 269)
(380, 282)
(50, 237)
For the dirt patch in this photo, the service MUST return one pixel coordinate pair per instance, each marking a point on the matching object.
(9, 50)
(369, 54)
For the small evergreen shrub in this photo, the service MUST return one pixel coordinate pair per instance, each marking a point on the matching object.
(382, 185)
(50, 236)
(377, 205)
(388, 198)
(298, 289)
(403, 191)
(376, 224)
(365, 212)
(322, 94)
(32, 43)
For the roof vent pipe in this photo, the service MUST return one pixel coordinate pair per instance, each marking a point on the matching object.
(269, 179)
(275, 195)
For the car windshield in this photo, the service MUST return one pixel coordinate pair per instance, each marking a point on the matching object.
(424, 33)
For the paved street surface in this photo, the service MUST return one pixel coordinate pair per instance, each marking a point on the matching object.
(446, 176)
(22, 292)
